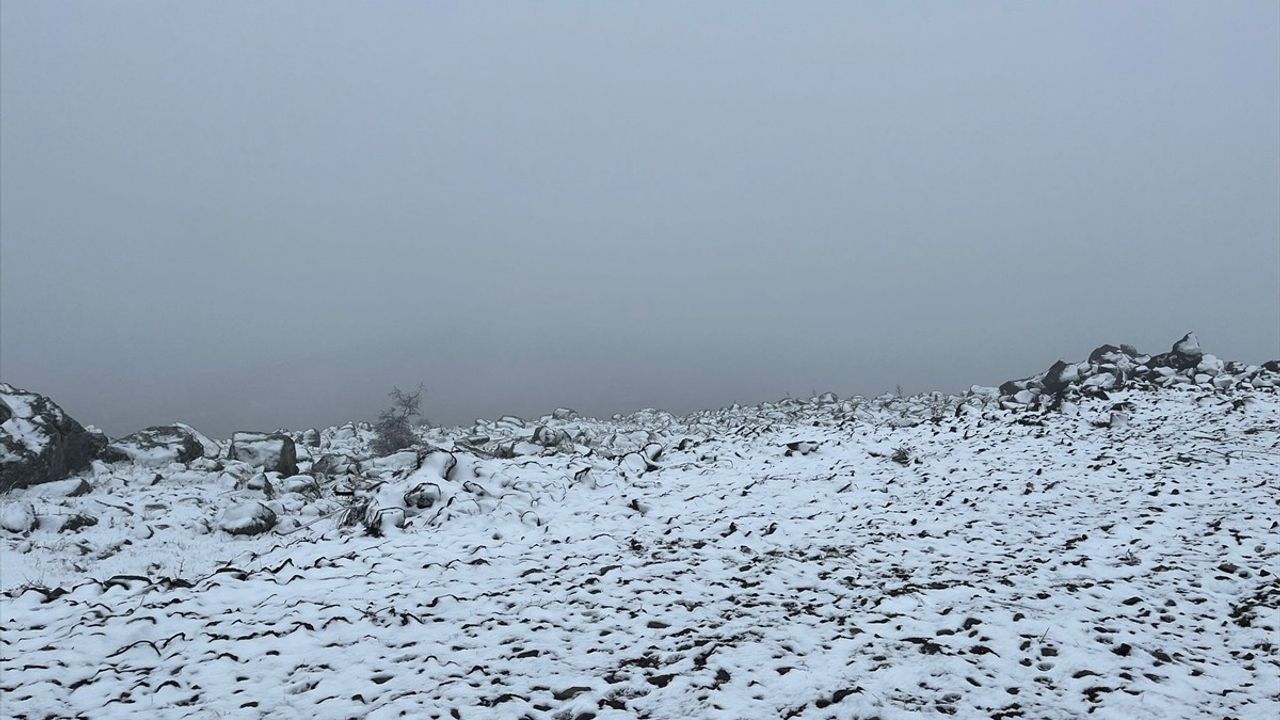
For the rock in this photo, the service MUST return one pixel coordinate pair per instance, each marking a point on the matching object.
(397, 462)
(156, 447)
(39, 442)
(1188, 346)
(1211, 365)
(211, 447)
(18, 517)
(311, 437)
(1104, 380)
(564, 413)
(77, 521)
(828, 398)
(273, 452)
(548, 437)
(71, 487)
(250, 518)
(1271, 366)
(1103, 353)
(801, 447)
(1059, 377)
(335, 464)
(1186, 354)
(516, 448)
(1012, 387)
(261, 483)
(301, 484)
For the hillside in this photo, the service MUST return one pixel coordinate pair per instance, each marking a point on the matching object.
(1101, 538)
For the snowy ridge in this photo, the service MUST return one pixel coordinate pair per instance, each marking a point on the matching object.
(1113, 554)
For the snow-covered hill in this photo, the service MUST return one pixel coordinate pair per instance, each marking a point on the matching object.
(1058, 547)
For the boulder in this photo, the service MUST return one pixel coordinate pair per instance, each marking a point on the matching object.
(211, 447)
(249, 518)
(1012, 387)
(563, 413)
(1186, 354)
(311, 438)
(273, 452)
(1188, 346)
(334, 464)
(548, 437)
(71, 487)
(18, 517)
(77, 521)
(1059, 377)
(1103, 353)
(156, 446)
(39, 442)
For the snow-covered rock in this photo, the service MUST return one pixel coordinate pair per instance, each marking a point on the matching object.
(39, 442)
(1112, 367)
(273, 452)
(156, 446)
(247, 518)
(18, 517)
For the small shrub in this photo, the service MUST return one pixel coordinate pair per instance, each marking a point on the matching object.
(902, 454)
(394, 426)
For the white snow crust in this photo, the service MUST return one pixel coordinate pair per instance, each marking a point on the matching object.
(889, 558)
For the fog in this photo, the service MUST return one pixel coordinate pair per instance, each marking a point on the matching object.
(255, 215)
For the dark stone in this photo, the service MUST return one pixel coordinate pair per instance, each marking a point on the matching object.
(39, 442)
(1188, 347)
(1053, 382)
(1186, 354)
(74, 522)
(1010, 387)
(1100, 353)
(1271, 366)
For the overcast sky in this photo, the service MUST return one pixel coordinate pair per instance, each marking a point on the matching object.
(252, 215)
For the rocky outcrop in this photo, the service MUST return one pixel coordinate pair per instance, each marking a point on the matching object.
(156, 447)
(1114, 367)
(39, 442)
(273, 452)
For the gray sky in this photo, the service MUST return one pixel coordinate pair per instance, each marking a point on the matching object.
(250, 215)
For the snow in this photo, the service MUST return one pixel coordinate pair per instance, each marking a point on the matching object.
(1119, 559)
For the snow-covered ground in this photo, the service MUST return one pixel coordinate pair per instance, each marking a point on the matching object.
(883, 558)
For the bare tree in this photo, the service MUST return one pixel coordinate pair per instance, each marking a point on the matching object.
(394, 426)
